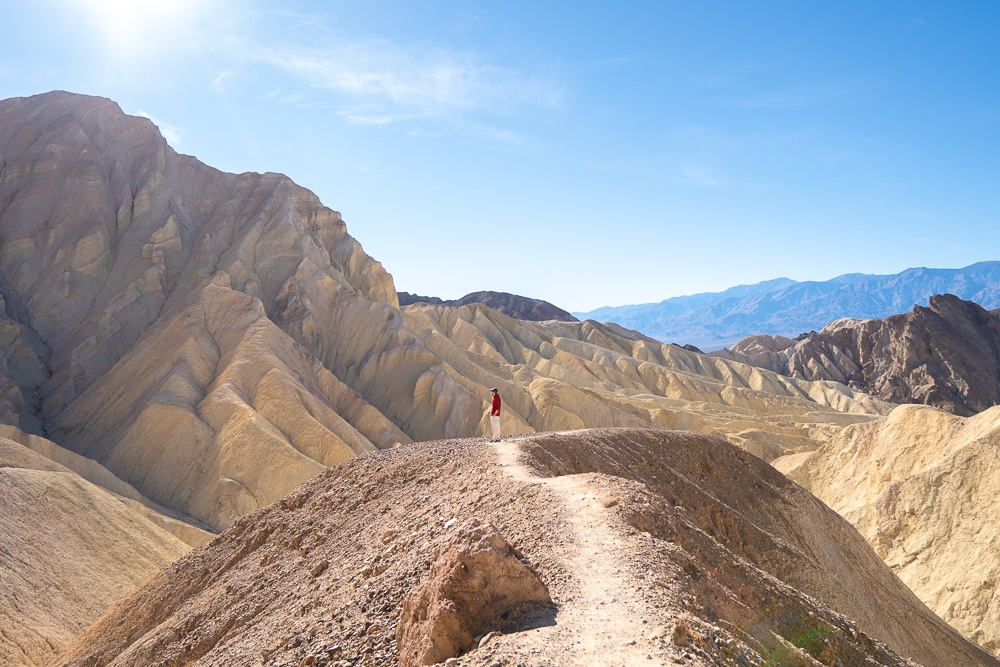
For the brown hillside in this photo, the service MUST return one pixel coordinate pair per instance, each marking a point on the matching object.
(656, 547)
(514, 305)
(946, 354)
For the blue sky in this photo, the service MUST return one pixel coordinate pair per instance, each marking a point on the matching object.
(585, 153)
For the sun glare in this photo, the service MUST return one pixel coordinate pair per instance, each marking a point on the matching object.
(134, 28)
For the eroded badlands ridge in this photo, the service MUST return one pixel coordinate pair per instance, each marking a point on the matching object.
(922, 486)
(180, 325)
(657, 547)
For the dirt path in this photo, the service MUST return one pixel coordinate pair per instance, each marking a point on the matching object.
(603, 622)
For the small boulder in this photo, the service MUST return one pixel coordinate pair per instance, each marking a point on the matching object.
(476, 581)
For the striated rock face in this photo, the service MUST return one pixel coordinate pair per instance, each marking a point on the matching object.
(169, 320)
(475, 582)
(921, 486)
(671, 545)
(520, 307)
(68, 549)
(946, 355)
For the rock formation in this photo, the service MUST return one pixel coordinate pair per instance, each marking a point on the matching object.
(946, 355)
(475, 582)
(181, 325)
(519, 307)
(657, 547)
(921, 486)
(68, 548)
(201, 343)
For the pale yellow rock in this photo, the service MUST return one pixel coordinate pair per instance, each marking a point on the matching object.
(182, 527)
(557, 375)
(68, 550)
(219, 412)
(921, 485)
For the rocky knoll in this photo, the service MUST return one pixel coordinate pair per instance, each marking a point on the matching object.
(68, 548)
(655, 547)
(946, 355)
(520, 307)
(180, 325)
(921, 485)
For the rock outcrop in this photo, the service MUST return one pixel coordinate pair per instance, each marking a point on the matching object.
(475, 582)
(671, 545)
(519, 307)
(921, 487)
(946, 355)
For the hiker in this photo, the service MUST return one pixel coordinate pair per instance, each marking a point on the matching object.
(495, 414)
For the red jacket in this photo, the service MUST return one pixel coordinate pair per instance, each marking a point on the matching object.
(495, 409)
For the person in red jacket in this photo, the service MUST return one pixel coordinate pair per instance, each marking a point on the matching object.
(495, 413)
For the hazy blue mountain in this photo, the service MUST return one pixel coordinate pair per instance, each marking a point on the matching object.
(788, 307)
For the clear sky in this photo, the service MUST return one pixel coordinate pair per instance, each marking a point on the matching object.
(585, 153)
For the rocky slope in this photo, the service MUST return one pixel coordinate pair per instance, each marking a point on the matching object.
(921, 486)
(946, 355)
(519, 307)
(69, 548)
(788, 308)
(656, 547)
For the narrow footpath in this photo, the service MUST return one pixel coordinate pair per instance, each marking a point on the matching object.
(603, 623)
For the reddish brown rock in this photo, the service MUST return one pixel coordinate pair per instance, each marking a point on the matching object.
(946, 354)
(476, 580)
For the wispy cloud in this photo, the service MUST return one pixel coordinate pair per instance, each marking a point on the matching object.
(373, 119)
(801, 96)
(294, 98)
(698, 175)
(414, 81)
(171, 133)
(218, 83)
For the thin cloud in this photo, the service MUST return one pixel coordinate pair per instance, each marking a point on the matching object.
(803, 96)
(218, 83)
(425, 81)
(171, 133)
(373, 120)
(697, 175)
(294, 98)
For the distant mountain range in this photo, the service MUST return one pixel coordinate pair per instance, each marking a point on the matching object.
(785, 307)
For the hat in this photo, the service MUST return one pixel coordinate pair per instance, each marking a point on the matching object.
(495, 390)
